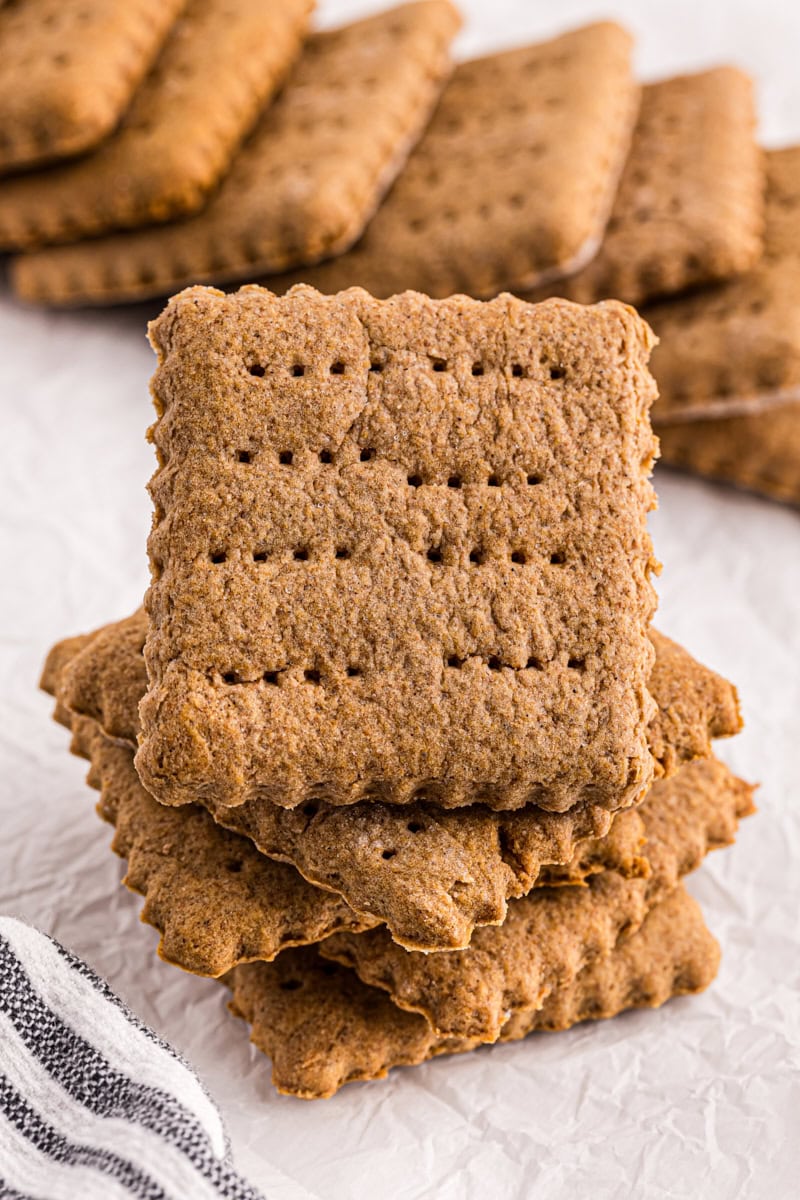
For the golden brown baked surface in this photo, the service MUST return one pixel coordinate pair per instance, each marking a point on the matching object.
(735, 349)
(690, 205)
(758, 451)
(322, 1027)
(468, 213)
(217, 69)
(400, 552)
(302, 187)
(431, 875)
(68, 71)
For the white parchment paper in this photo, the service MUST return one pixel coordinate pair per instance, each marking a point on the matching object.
(699, 1099)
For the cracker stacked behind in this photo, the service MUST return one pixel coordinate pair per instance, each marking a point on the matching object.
(729, 360)
(233, 144)
(399, 690)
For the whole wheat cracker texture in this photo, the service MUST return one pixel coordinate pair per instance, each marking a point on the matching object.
(758, 451)
(690, 205)
(217, 69)
(322, 1027)
(513, 182)
(399, 552)
(102, 675)
(302, 187)
(68, 71)
(735, 349)
(430, 874)
(215, 900)
(549, 935)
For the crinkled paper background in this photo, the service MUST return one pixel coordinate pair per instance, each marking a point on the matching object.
(699, 1099)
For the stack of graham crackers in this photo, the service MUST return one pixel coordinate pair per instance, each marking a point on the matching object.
(225, 144)
(393, 749)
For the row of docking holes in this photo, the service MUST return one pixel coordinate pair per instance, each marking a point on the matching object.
(439, 366)
(286, 459)
(434, 555)
(452, 662)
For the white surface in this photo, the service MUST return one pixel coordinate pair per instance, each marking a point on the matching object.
(699, 1099)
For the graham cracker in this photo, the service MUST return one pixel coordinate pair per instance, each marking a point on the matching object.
(399, 552)
(735, 349)
(68, 71)
(323, 1028)
(445, 871)
(218, 68)
(690, 205)
(470, 213)
(303, 186)
(549, 935)
(213, 898)
(759, 451)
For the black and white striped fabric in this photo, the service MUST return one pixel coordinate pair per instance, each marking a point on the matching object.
(92, 1104)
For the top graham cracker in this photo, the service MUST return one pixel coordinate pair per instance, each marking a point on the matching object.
(68, 71)
(399, 551)
(513, 182)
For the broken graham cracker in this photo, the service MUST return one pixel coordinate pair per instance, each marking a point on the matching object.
(549, 935)
(399, 553)
(322, 1027)
(68, 71)
(431, 875)
(217, 69)
(735, 349)
(470, 213)
(213, 898)
(216, 900)
(758, 451)
(690, 205)
(178, 858)
(180, 861)
(302, 187)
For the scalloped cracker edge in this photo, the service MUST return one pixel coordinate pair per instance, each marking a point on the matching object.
(734, 350)
(323, 1028)
(68, 72)
(302, 187)
(548, 936)
(690, 205)
(216, 71)
(472, 861)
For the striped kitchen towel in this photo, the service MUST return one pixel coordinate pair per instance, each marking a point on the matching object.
(92, 1104)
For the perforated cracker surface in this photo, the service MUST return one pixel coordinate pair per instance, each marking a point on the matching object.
(736, 349)
(690, 204)
(67, 71)
(219, 65)
(302, 187)
(548, 936)
(430, 874)
(400, 552)
(513, 181)
(323, 1028)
